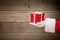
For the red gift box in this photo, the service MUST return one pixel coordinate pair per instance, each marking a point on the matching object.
(36, 17)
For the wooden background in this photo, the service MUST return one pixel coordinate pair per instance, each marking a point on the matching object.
(14, 19)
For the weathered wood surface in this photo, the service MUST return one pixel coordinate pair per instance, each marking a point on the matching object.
(24, 16)
(18, 5)
(14, 18)
(24, 31)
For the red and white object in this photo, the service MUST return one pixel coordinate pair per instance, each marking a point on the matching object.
(36, 17)
(52, 25)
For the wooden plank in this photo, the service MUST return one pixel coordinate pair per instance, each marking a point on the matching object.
(18, 5)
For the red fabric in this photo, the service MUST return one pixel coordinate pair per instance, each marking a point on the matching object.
(32, 18)
(37, 18)
(57, 28)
